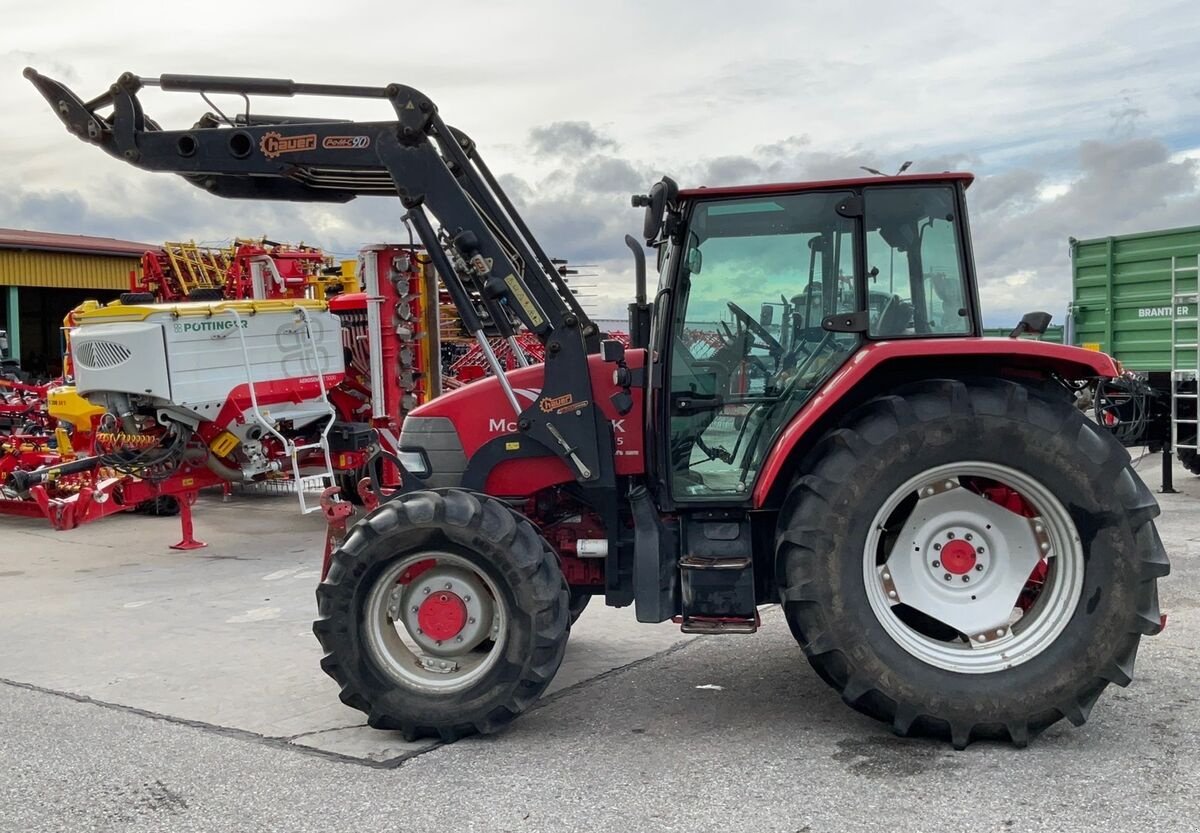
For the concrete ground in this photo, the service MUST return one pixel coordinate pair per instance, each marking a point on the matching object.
(147, 689)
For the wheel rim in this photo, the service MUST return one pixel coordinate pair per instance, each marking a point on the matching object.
(973, 567)
(435, 622)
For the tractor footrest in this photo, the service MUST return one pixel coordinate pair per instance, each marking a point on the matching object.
(718, 624)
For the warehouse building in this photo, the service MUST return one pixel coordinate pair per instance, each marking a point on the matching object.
(43, 276)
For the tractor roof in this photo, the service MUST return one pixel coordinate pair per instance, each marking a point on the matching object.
(821, 185)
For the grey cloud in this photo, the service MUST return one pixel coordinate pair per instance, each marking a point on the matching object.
(609, 175)
(568, 138)
(1021, 239)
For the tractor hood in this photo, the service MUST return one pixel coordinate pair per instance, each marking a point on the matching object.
(452, 428)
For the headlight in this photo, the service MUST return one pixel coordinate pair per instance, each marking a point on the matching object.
(414, 463)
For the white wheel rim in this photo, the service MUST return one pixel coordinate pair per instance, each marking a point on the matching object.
(903, 568)
(414, 659)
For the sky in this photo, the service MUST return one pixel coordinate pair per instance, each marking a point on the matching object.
(1078, 120)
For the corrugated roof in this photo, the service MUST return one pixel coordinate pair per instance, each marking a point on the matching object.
(47, 241)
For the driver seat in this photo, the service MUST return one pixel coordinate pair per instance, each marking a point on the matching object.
(895, 318)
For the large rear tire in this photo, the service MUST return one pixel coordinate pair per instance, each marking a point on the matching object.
(443, 614)
(1189, 459)
(981, 646)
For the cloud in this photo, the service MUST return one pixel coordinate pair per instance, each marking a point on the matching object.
(568, 138)
(1021, 239)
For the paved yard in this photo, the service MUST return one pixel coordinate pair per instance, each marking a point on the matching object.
(146, 689)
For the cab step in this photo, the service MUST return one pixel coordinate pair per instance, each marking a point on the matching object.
(718, 624)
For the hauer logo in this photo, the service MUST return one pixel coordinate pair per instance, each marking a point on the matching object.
(273, 144)
(346, 142)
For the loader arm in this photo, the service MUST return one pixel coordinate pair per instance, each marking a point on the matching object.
(483, 248)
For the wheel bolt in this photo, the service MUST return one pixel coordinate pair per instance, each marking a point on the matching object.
(415, 608)
(438, 643)
(966, 579)
(979, 568)
(427, 590)
(969, 537)
(887, 576)
(949, 534)
(947, 576)
(937, 546)
(891, 594)
(458, 639)
(979, 550)
(936, 564)
(471, 621)
(420, 632)
(449, 585)
(466, 598)
(1000, 632)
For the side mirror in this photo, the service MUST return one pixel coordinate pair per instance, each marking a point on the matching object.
(695, 260)
(1035, 323)
(662, 194)
(766, 315)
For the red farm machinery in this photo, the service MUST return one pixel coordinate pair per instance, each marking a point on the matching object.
(73, 462)
(956, 548)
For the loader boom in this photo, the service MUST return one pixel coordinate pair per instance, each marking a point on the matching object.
(484, 252)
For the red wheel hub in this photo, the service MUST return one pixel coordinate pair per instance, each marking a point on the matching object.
(958, 557)
(442, 615)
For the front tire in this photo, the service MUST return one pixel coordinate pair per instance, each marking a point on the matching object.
(491, 639)
(1019, 472)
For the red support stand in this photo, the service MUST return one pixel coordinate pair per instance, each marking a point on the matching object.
(337, 513)
(189, 541)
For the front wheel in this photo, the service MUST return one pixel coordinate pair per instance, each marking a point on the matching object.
(443, 614)
(970, 560)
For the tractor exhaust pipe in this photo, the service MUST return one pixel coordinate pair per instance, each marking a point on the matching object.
(639, 310)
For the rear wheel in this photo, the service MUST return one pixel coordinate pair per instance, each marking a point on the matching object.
(1189, 459)
(970, 560)
(443, 614)
(161, 507)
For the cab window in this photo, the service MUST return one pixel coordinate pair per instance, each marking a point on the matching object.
(914, 281)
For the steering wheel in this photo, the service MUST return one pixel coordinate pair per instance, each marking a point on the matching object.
(769, 341)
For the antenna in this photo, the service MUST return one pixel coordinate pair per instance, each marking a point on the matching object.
(903, 168)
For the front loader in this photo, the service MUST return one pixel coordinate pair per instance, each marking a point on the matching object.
(807, 415)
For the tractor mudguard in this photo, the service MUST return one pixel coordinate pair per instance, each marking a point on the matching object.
(1002, 354)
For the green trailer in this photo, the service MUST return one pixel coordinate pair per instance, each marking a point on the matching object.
(1134, 296)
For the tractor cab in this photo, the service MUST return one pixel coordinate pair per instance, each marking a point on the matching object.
(765, 292)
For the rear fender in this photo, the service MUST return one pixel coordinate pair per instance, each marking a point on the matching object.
(880, 366)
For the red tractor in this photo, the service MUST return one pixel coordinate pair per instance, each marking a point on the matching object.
(958, 551)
